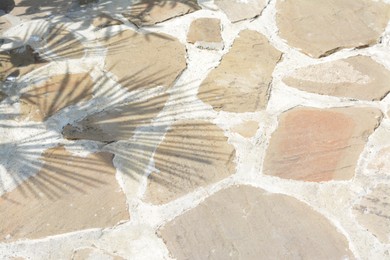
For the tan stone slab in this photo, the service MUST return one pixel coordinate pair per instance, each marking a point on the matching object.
(358, 77)
(91, 253)
(69, 193)
(149, 12)
(312, 144)
(193, 154)
(241, 81)
(145, 60)
(373, 212)
(319, 28)
(206, 33)
(104, 20)
(44, 100)
(116, 123)
(18, 62)
(36, 9)
(243, 222)
(238, 10)
(246, 129)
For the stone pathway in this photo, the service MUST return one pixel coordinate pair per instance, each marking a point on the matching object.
(209, 129)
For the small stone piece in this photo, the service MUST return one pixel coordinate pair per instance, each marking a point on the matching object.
(319, 28)
(103, 20)
(241, 81)
(246, 129)
(206, 33)
(145, 60)
(43, 101)
(149, 12)
(373, 212)
(91, 253)
(358, 77)
(243, 222)
(313, 144)
(117, 123)
(238, 10)
(193, 154)
(69, 193)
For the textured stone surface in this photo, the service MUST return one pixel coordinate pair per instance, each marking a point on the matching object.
(244, 222)
(373, 212)
(58, 92)
(246, 129)
(358, 77)
(193, 154)
(313, 144)
(149, 12)
(91, 253)
(69, 193)
(241, 82)
(4, 24)
(35, 9)
(319, 28)
(117, 123)
(381, 162)
(144, 61)
(237, 10)
(206, 33)
(104, 20)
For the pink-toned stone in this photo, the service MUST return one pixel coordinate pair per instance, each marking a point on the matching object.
(58, 92)
(241, 81)
(247, 128)
(206, 33)
(69, 193)
(243, 222)
(144, 60)
(358, 77)
(149, 12)
(312, 144)
(373, 212)
(193, 154)
(319, 28)
(238, 10)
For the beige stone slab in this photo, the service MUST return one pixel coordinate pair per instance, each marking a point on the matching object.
(318, 28)
(312, 144)
(373, 212)
(104, 20)
(193, 154)
(206, 33)
(37, 9)
(243, 222)
(241, 81)
(238, 10)
(358, 77)
(144, 60)
(58, 92)
(91, 253)
(116, 123)
(246, 129)
(149, 12)
(69, 193)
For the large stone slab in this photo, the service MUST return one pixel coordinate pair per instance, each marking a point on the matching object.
(238, 10)
(193, 154)
(37, 9)
(319, 28)
(46, 99)
(358, 77)
(144, 60)
(149, 12)
(373, 212)
(69, 193)
(206, 33)
(243, 222)
(313, 144)
(241, 81)
(116, 123)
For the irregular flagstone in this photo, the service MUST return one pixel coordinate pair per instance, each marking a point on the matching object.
(357, 77)
(312, 144)
(243, 222)
(104, 20)
(373, 212)
(144, 60)
(206, 33)
(241, 82)
(319, 28)
(149, 12)
(44, 100)
(36, 9)
(246, 129)
(69, 193)
(193, 154)
(117, 123)
(18, 62)
(91, 253)
(238, 10)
